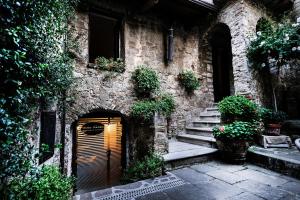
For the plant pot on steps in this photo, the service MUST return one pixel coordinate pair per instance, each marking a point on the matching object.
(233, 151)
(273, 129)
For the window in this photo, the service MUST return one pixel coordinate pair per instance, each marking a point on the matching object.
(47, 137)
(104, 37)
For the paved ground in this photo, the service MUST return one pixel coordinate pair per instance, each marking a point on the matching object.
(216, 180)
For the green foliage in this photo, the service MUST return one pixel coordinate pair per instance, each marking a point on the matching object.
(145, 110)
(105, 64)
(239, 108)
(151, 166)
(166, 104)
(35, 62)
(274, 44)
(236, 131)
(145, 81)
(269, 116)
(189, 81)
(45, 184)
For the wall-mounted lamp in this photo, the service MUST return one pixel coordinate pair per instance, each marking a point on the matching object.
(170, 47)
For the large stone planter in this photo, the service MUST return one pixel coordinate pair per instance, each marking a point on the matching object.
(233, 151)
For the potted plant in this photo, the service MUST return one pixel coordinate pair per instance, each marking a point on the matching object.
(233, 140)
(238, 108)
(240, 117)
(189, 81)
(272, 120)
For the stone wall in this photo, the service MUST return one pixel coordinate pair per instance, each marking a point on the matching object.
(144, 40)
(144, 44)
(241, 17)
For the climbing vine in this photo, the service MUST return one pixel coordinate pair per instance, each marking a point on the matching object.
(34, 63)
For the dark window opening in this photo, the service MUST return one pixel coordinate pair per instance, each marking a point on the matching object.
(104, 37)
(47, 137)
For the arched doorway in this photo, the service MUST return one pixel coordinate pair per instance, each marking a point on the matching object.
(100, 153)
(223, 81)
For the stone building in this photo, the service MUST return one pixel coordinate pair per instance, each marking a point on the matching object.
(208, 37)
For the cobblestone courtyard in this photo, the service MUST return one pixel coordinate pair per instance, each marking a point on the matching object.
(212, 180)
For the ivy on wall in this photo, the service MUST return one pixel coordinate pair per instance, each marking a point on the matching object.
(34, 63)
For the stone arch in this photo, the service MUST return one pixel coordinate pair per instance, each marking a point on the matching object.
(120, 147)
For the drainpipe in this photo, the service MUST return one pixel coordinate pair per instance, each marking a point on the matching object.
(297, 10)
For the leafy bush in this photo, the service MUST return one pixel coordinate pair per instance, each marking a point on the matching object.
(105, 64)
(236, 131)
(238, 108)
(189, 81)
(33, 64)
(166, 104)
(145, 81)
(274, 43)
(145, 110)
(269, 116)
(48, 183)
(151, 166)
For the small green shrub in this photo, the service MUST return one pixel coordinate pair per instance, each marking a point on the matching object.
(166, 104)
(105, 64)
(269, 116)
(189, 81)
(145, 81)
(151, 166)
(47, 184)
(145, 110)
(238, 108)
(236, 131)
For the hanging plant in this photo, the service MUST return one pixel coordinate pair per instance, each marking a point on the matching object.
(145, 81)
(189, 81)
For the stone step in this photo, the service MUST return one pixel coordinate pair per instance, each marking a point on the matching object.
(216, 109)
(197, 140)
(206, 123)
(183, 154)
(202, 131)
(210, 116)
(282, 160)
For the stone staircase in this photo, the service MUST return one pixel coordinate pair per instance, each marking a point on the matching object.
(197, 144)
(200, 130)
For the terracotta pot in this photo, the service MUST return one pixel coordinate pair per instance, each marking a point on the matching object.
(233, 151)
(273, 129)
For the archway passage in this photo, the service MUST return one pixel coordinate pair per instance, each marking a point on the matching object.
(222, 62)
(98, 153)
